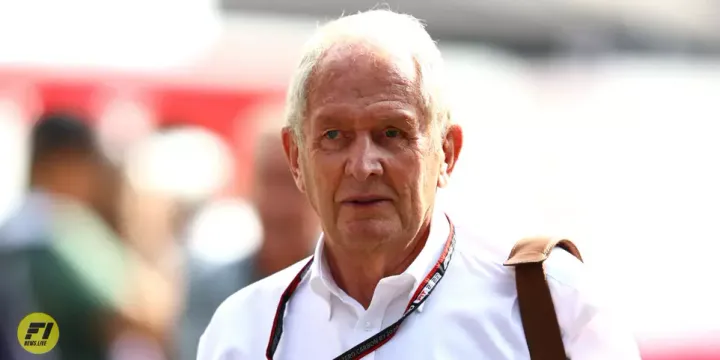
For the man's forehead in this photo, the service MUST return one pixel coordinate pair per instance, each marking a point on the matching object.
(356, 56)
(359, 70)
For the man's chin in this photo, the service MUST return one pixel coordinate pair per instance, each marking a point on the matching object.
(369, 230)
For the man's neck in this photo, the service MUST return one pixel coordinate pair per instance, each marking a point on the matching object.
(358, 273)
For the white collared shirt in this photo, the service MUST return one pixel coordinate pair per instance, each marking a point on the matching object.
(472, 313)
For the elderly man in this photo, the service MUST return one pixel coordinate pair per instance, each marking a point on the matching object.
(369, 141)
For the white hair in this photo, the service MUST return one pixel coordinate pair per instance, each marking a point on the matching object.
(400, 33)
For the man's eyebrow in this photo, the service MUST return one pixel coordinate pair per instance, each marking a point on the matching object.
(396, 117)
(324, 120)
(399, 118)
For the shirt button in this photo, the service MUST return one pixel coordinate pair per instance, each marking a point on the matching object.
(368, 326)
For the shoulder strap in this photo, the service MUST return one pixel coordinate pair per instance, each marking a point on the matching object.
(542, 331)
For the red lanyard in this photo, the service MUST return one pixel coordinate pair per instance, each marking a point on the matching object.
(376, 341)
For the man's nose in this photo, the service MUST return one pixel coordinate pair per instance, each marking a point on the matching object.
(364, 158)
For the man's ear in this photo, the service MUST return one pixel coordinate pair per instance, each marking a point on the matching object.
(292, 153)
(452, 145)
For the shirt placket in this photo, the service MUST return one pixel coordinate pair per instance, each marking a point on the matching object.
(372, 321)
(369, 324)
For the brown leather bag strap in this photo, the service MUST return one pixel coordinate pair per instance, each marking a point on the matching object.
(537, 311)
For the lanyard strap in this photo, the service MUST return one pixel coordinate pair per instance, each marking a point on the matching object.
(376, 341)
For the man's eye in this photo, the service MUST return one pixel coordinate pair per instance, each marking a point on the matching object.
(332, 134)
(392, 133)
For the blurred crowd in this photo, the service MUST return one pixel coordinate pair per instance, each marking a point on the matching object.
(110, 261)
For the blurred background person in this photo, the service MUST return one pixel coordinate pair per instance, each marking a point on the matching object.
(152, 223)
(68, 246)
(290, 229)
(64, 258)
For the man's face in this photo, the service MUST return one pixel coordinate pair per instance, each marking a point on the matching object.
(371, 159)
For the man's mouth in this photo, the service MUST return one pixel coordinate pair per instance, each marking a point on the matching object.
(366, 201)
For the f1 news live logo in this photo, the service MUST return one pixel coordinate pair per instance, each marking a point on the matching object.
(38, 333)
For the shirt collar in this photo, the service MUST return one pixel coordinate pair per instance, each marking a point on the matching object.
(322, 283)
